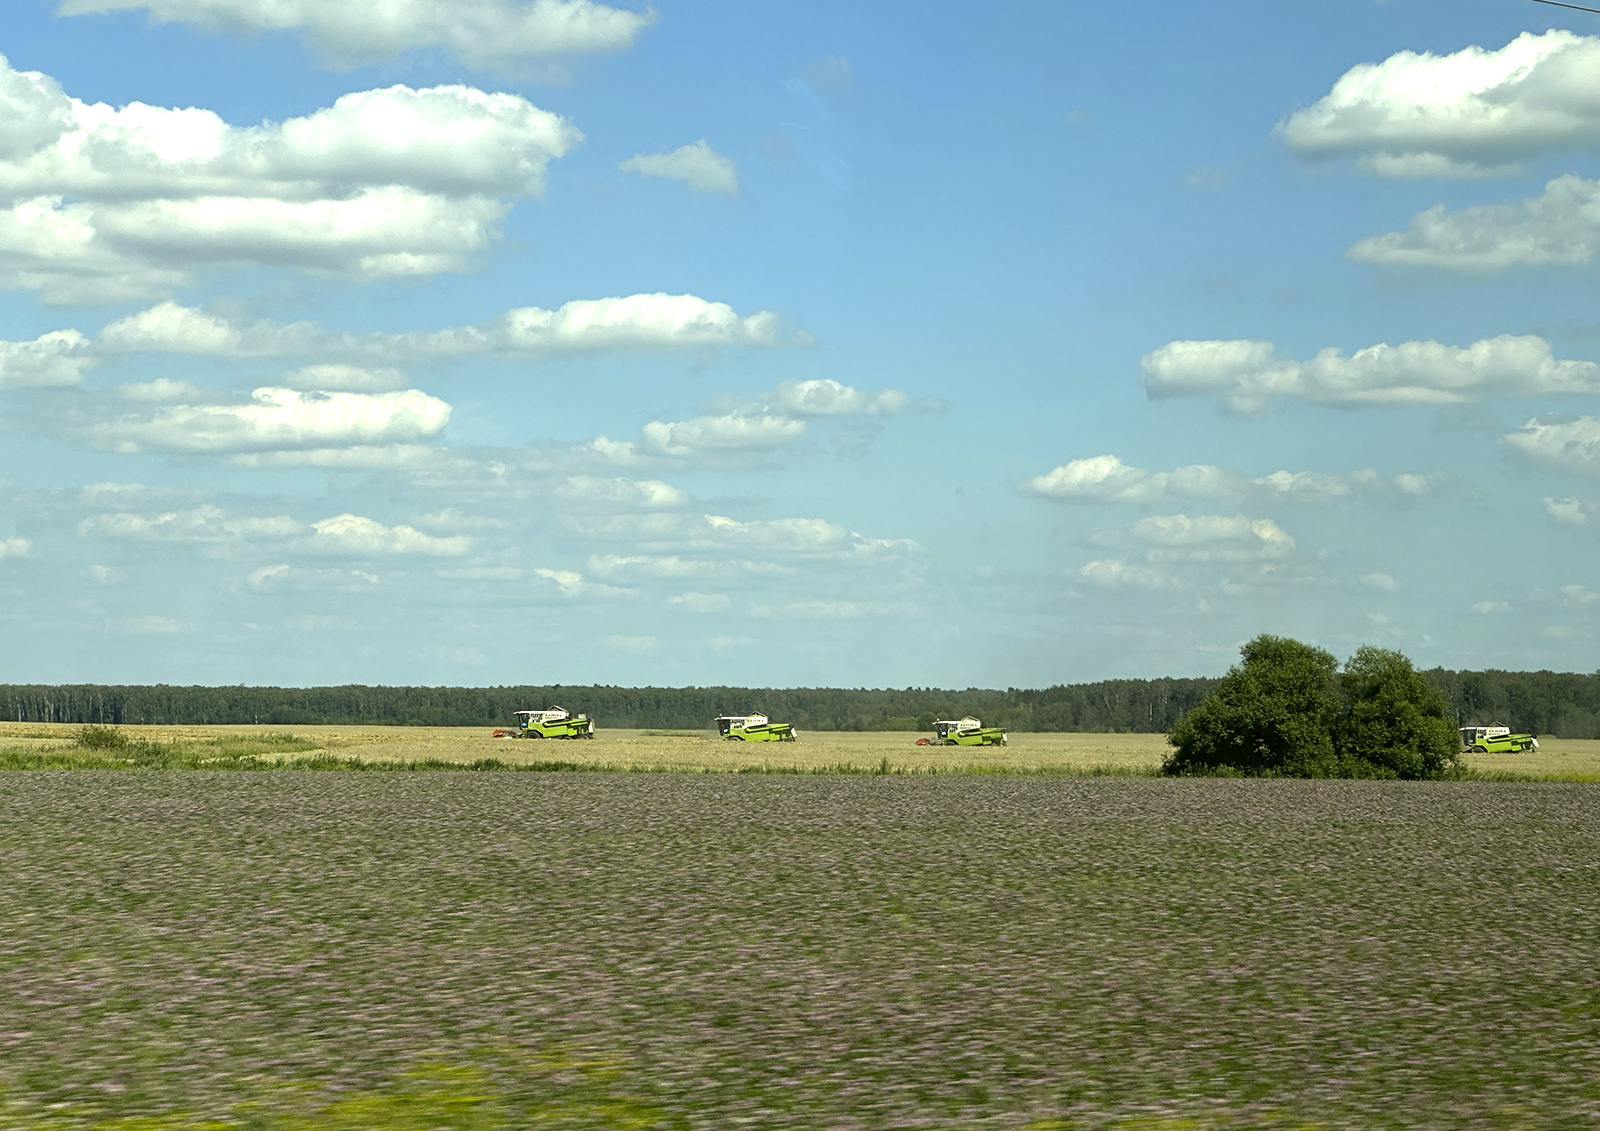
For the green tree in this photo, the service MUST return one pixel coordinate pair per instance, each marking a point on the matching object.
(1395, 723)
(1272, 714)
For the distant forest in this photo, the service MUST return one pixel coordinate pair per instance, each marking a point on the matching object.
(1566, 705)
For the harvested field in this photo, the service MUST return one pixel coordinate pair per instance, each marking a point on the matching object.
(352, 950)
(1559, 759)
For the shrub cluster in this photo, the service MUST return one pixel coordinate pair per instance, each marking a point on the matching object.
(1287, 711)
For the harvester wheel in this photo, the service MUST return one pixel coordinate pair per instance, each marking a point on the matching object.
(1478, 750)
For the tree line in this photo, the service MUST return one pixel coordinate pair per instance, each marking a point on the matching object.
(1565, 705)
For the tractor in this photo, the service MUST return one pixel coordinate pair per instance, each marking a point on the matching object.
(557, 722)
(753, 728)
(1496, 739)
(963, 732)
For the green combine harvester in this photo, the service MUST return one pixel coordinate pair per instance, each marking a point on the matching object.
(753, 728)
(557, 722)
(1496, 739)
(964, 732)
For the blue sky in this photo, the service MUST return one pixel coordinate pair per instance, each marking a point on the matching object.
(825, 344)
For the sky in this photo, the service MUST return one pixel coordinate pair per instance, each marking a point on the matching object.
(828, 344)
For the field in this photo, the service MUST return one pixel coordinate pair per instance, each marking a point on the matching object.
(354, 950)
(1560, 759)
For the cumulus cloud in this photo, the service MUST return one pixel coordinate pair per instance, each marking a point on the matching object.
(697, 165)
(827, 397)
(628, 322)
(641, 494)
(693, 602)
(344, 379)
(277, 419)
(101, 203)
(1567, 512)
(1248, 378)
(496, 34)
(285, 578)
(15, 548)
(1380, 581)
(58, 358)
(1114, 573)
(1472, 113)
(775, 420)
(353, 535)
(1106, 479)
(667, 542)
(206, 524)
(1560, 228)
(1563, 445)
(1180, 537)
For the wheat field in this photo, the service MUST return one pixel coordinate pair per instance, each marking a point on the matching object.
(702, 751)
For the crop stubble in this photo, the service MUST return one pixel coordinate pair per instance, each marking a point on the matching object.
(807, 952)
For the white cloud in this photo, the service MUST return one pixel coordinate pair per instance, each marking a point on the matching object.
(101, 203)
(1248, 378)
(57, 358)
(356, 536)
(344, 379)
(1560, 228)
(1106, 479)
(104, 574)
(775, 420)
(647, 494)
(1209, 537)
(1472, 113)
(163, 390)
(1567, 512)
(1113, 573)
(628, 322)
(278, 419)
(1488, 607)
(1380, 581)
(714, 435)
(697, 165)
(570, 583)
(1578, 595)
(693, 602)
(1570, 445)
(285, 578)
(827, 397)
(497, 34)
(15, 548)
(206, 523)
(683, 545)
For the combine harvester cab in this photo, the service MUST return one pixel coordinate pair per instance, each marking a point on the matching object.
(1496, 739)
(753, 728)
(557, 722)
(965, 732)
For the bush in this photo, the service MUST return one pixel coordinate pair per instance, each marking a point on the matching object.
(1273, 714)
(1285, 711)
(1395, 724)
(101, 738)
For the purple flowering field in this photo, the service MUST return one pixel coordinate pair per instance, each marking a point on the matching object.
(341, 950)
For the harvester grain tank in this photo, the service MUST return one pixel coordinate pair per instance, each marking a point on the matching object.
(965, 732)
(754, 728)
(1496, 739)
(557, 722)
